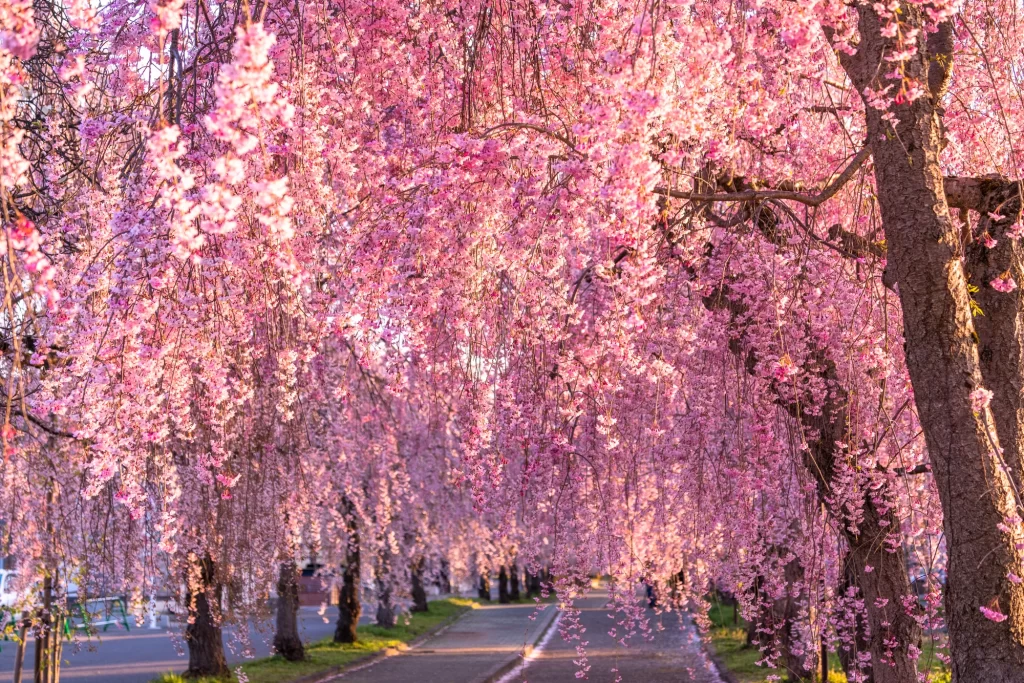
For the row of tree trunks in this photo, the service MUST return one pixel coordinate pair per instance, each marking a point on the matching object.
(203, 633)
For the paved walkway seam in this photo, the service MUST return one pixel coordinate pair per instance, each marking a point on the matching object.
(547, 618)
(338, 672)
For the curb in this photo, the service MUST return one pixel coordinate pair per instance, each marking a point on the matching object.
(497, 672)
(337, 672)
(709, 650)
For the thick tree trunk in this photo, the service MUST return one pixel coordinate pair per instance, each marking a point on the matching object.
(287, 642)
(419, 594)
(942, 359)
(203, 633)
(513, 587)
(1000, 324)
(503, 585)
(883, 582)
(349, 606)
(484, 591)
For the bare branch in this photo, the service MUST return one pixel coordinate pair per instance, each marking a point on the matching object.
(530, 126)
(971, 193)
(787, 195)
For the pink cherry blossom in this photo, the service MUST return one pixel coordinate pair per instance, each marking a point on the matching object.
(1004, 283)
(980, 399)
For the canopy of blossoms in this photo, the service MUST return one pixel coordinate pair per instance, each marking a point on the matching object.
(717, 290)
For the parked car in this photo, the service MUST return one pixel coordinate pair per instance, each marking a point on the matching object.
(10, 596)
(14, 595)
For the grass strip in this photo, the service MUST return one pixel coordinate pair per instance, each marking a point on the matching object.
(325, 655)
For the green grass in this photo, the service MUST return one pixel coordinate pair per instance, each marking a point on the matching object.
(326, 654)
(729, 642)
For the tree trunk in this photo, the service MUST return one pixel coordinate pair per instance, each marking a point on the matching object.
(503, 586)
(419, 594)
(535, 587)
(385, 607)
(1000, 326)
(444, 580)
(876, 562)
(513, 578)
(942, 359)
(286, 638)
(19, 654)
(349, 607)
(823, 658)
(484, 591)
(203, 633)
(754, 637)
(787, 613)
(853, 637)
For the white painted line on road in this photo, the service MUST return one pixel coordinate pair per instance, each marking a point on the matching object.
(532, 654)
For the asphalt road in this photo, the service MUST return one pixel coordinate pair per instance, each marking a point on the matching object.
(672, 654)
(470, 650)
(141, 654)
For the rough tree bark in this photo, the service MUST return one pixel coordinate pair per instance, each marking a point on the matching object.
(924, 258)
(287, 642)
(503, 585)
(1000, 320)
(349, 606)
(419, 594)
(203, 632)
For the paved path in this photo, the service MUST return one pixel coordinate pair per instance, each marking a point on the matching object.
(674, 655)
(478, 648)
(472, 650)
(141, 654)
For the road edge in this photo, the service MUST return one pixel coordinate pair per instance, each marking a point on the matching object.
(337, 672)
(500, 670)
(723, 671)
